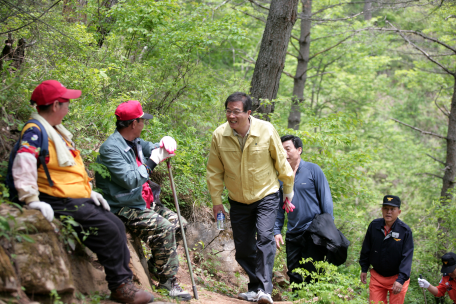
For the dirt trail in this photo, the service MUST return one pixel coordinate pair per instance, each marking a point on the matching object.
(204, 297)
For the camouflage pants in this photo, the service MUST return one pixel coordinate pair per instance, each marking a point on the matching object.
(158, 228)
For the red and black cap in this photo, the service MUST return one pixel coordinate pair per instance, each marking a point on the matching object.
(131, 110)
(51, 90)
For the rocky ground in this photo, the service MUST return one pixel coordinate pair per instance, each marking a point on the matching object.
(205, 296)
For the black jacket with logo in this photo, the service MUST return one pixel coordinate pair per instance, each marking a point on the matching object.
(388, 255)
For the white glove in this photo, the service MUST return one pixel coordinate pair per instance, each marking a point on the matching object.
(98, 198)
(45, 209)
(289, 196)
(423, 283)
(169, 143)
(159, 155)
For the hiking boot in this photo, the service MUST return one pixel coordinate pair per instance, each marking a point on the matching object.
(264, 298)
(248, 296)
(128, 293)
(175, 291)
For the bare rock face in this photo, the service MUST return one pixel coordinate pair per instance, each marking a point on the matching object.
(215, 246)
(88, 275)
(43, 265)
(138, 263)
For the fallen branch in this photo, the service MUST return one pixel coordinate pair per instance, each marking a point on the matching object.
(419, 130)
(438, 160)
(34, 19)
(329, 20)
(415, 33)
(258, 18)
(434, 175)
(259, 5)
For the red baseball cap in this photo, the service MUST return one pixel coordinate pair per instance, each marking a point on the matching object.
(131, 110)
(50, 90)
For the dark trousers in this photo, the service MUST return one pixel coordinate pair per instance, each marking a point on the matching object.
(301, 246)
(109, 242)
(255, 255)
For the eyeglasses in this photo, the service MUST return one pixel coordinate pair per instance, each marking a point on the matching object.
(235, 112)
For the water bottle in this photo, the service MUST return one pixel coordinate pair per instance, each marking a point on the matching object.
(220, 220)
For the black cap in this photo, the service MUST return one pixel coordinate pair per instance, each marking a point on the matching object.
(449, 262)
(391, 200)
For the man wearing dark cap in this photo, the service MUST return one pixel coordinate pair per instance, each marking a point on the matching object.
(448, 281)
(388, 247)
(68, 192)
(130, 160)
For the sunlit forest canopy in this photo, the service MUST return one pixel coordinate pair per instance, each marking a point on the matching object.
(369, 86)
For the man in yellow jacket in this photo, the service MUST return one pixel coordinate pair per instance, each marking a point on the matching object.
(247, 158)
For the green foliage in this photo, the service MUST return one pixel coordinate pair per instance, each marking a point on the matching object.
(207, 271)
(100, 169)
(9, 228)
(329, 285)
(94, 298)
(181, 59)
(69, 232)
(55, 297)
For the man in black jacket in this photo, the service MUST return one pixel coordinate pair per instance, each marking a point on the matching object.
(388, 247)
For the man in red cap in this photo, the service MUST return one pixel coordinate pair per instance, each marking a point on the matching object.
(448, 281)
(71, 193)
(130, 160)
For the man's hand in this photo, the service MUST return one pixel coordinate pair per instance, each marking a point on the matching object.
(216, 209)
(159, 155)
(363, 277)
(288, 206)
(98, 198)
(45, 209)
(289, 196)
(397, 287)
(278, 240)
(423, 283)
(169, 144)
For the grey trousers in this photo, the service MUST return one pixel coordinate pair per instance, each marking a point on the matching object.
(254, 240)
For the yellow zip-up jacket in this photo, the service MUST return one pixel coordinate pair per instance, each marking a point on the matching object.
(250, 175)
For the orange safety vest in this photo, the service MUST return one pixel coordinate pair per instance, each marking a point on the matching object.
(68, 181)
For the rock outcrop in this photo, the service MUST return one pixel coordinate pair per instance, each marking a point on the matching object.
(37, 265)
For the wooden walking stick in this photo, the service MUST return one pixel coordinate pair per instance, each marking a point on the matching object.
(424, 291)
(176, 203)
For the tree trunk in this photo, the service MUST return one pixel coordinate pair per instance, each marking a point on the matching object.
(450, 172)
(271, 57)
(7, 52)
(294, 119)
(367, 11)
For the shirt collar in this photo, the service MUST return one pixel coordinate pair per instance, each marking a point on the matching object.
(253, 129)
(237, 134)
(301, 164)
(392, 226)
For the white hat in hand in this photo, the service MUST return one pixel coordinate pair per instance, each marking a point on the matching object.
(169, 144)
(45, 209)
(159, 155)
